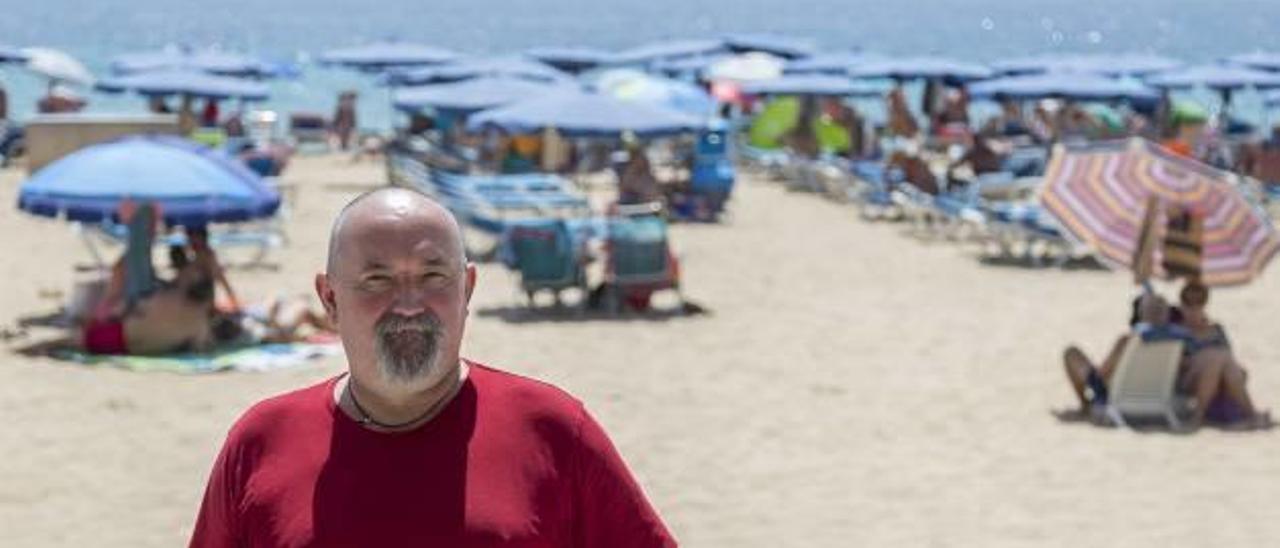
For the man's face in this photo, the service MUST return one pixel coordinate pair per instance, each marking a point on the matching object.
(399, 294)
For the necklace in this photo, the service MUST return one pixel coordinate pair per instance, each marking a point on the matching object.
(367, 420)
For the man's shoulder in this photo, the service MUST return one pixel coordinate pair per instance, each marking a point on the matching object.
(281, 410)
(523, 394)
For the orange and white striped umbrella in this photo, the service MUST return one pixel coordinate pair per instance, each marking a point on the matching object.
(1099, 193)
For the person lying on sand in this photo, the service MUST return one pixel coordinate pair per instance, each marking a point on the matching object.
(278, 320)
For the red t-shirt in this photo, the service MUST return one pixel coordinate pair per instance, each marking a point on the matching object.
(509, 461)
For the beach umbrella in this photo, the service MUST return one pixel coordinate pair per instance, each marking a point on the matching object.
(571, 59)
(668, 50)
(813, 84)
(788, 47)
(695, 67)
(635, 86)
(462, 69)
(746, 67)
(387, 54)
(1272, 99)
(193, 184)
(9, 54)
(473, 95)
(1259, 60)
(1217, 77)
(1076, 86)
(584, 114)
(1099, 191)
(185, 82)
(57, 66)
(836, 63)
(1110, 64)
(178, 58)
(908, 68)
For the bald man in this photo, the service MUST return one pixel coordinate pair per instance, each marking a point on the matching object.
(413, 445)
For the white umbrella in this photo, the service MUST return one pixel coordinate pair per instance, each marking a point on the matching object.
(56, 65)
(747, 67)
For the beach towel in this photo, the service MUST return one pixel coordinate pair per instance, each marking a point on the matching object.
(264, 357)
(140, 275)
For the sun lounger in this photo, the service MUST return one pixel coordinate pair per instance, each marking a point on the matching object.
(1144, 382)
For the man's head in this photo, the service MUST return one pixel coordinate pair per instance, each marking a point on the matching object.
(397, 285)
(198, 237)
(1153, 309)
(1193, 298)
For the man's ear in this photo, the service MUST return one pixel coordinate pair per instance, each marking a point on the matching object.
(325, 291)
(471, 281)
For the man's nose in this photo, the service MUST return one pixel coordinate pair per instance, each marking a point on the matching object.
(410, 299)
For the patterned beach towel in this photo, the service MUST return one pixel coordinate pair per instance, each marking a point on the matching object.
(264, 357)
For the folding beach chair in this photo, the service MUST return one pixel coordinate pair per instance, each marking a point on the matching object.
(1144, 382)
(547, 258)
(639, 258)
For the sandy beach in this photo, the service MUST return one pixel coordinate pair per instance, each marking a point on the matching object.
(851, 386)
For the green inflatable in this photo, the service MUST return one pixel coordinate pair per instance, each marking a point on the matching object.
(781, 115)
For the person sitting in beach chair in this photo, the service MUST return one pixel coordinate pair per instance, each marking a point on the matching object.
(914, 170)
(636, 182)
(1204, 374)
(1216, 364)
(206, 265)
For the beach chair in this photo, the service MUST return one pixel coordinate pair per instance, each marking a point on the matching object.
(545, 255)
(1144, 382)
(639, 258)
(308, 128)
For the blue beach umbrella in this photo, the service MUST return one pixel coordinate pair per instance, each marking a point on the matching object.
(11, 54)
(1078, 86)
(224, 63)
(585, 115)
(789, 47)
(462, 69)
(688, 67)
(473, 95)
(836, 63)
(813, 84)
(388, 54)
(1110, 64)
(908, 68)
(571, 59)
(186, 82)
(1272, 99)
(1217, 77)
(1260, 60)
(636, 86)
(670, 49)
(193, 185)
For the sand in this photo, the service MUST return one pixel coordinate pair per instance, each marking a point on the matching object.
(852, 386)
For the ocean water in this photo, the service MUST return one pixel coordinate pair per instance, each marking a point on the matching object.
(296, 30)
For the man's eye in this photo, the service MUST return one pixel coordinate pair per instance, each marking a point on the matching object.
(375, 282)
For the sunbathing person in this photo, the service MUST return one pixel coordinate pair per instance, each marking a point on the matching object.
(1213, 373)
(172, 319)
(1090, 380)
(1206, 372)
(276, 321)
(206, 261)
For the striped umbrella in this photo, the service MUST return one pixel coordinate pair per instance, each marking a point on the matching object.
(1099, 193)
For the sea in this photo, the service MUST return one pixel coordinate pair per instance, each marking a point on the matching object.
(296, 31)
